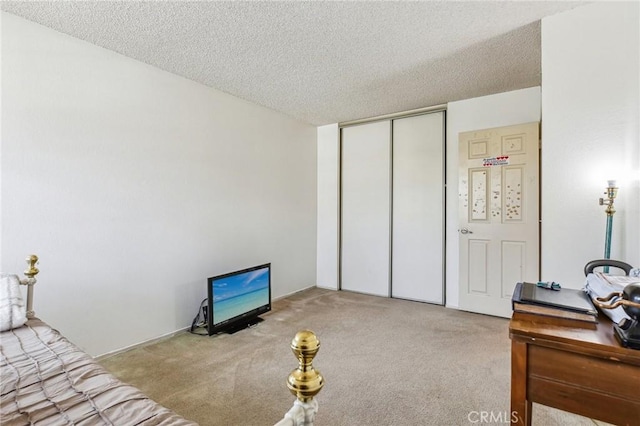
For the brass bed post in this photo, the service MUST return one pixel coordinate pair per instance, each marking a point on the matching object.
(31, 273)
(304, 382)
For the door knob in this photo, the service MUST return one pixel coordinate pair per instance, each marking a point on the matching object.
(465, 231)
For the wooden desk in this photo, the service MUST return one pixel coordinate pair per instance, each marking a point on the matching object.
(583, 371)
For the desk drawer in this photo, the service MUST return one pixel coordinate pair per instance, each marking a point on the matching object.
(585, 402)
(596, 374)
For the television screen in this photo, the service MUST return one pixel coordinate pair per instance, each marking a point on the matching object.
(237, 298)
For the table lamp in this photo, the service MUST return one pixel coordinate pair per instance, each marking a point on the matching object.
(611, 192)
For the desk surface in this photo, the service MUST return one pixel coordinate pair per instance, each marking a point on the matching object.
(600, 341)
(583, 371)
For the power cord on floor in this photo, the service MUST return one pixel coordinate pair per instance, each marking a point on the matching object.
(200, 321)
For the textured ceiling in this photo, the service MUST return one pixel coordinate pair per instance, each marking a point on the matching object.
(321, 61)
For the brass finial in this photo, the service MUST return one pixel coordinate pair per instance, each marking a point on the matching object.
(611, 192)
(32, 271)
(305, 382)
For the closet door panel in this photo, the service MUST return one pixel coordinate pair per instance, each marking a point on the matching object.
(418, 200)
(365, 207)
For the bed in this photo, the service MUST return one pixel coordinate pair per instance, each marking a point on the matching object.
(47, 380)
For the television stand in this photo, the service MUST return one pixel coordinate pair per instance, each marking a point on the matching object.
(242, 325)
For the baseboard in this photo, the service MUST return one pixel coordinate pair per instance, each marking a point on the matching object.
(292, 293)
(173, 333)
(140, 344)
(327, 288)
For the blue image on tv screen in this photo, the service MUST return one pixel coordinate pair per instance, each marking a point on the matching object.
(238, 294)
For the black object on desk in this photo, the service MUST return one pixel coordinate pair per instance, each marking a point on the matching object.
(626, 331)
(565, 298)
(573, 306)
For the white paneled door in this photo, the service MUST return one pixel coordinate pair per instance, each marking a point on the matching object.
(392, 208)
(366, 208)
(418, 214)
(498, 215)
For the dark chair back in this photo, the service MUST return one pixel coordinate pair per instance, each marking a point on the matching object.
(589, 267)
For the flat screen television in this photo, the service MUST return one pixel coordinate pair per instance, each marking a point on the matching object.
(237, 298)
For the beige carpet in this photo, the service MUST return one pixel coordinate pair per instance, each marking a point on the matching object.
(385, 362)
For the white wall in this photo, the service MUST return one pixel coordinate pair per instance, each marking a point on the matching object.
(590, 115)
(134, 185)
(328, 207)
(503, 109)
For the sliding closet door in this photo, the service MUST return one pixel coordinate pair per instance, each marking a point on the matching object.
(366, 187)
(418, 200)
